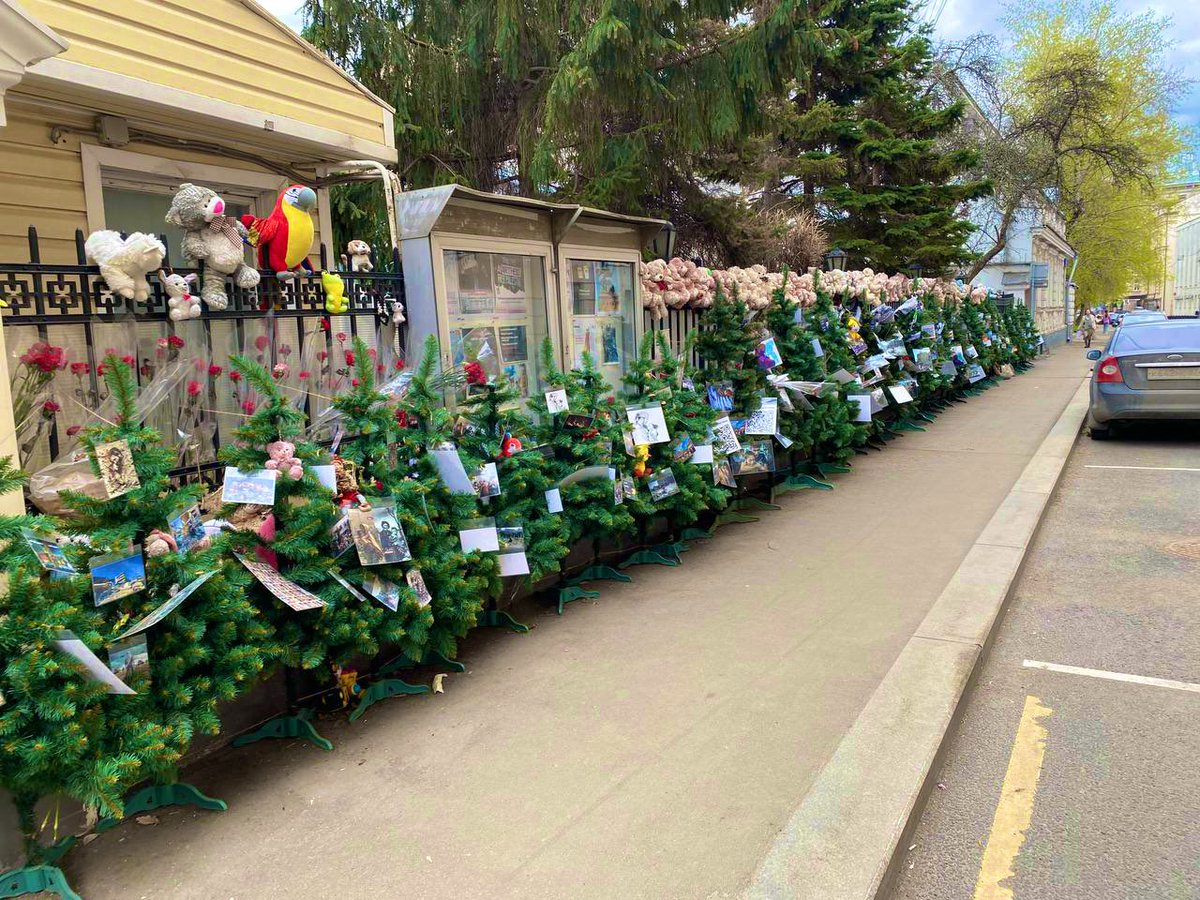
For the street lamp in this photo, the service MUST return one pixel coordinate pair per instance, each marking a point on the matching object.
(835, 259)
(914, 271)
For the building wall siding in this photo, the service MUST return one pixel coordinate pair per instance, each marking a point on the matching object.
(220, 49)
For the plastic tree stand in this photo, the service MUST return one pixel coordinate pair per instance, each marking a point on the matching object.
(35, 879)
(598, 573)
(55, 852)
(646, 557)
(752, 503)
(497, 618)
(429, 658)
(673, 550)
(831, 468)
(696, 534)
(924, 416)
(733, 517)
(801, 482)
(159, 795)
(908, 426)
(381, 690)
(297, 726)
(574, 592)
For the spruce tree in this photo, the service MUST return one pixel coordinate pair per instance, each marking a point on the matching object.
(589, 507)
(303, 515)
(864, 142)
(390, 445)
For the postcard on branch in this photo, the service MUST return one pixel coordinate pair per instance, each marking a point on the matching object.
(167, 608)
(129, 657)
(386, 592)
(117, 575)
(116, 468)
(349, 588)
(556, 402)
(341, 535)
(287, 591)
(662, 485)
(66, 642)
(49, 553)
(725, 437)
(479, 534)
(511, 543)
(450, 468)
(249, 487)
(378, 535)
(187, 529)
(487, 481)
(416, 581)
(649, 424)
(765, 420)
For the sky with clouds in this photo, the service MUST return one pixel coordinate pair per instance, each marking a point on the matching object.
(960, 18)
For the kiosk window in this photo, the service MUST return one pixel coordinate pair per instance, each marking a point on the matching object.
(602, 316)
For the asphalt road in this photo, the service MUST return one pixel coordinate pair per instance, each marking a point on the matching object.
(1112, 584)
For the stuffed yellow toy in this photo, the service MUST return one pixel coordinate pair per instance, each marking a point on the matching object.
(335, 293)
(641, 456)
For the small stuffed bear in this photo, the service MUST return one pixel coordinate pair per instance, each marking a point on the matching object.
(283, 459)
(212, 237)
(359, 256)
(182, 302)
(124, 262)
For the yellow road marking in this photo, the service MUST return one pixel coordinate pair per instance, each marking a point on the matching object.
(1014, 811)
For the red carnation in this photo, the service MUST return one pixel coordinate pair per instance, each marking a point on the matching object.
(50, 407)
(74, 430)
(248, 407)
(349, 357)
(304, 374)
(175, 341)
(80, 368)
(128, 360)
(194, 388)
(399, 364)
(235, 376)
(261, 342)
(215, 371)
(101, 368)
(353, 382)
(475, 373)
(46, 357)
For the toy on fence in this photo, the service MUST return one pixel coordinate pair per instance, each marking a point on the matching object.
(183, 304)
(335, 293)
(211, 237)
(357, 257)
(125, 262)
(283, 459)
(285, 236)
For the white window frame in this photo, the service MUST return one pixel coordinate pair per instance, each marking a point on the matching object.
(105, 163)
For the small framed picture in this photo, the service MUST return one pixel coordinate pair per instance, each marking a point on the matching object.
(487, 481)
(556, 402)
(116, 468)
(662, 484)
(341, 536)
(649, 424)
(379, 536)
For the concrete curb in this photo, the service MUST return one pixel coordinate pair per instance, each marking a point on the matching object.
(843, 840)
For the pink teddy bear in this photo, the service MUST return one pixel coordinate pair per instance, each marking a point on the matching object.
(283, 458)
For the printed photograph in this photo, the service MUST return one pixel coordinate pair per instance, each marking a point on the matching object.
(116, 468)
(48, 552)
(723, 472)
(756, 458)
(511, 538)
(378, 536)
(662, 485)
(386, 592)
(487, 481)
(187, 529)
(416, 581)
(578, 421)
(649, 424)
(129, 657)
(281, 588)
(720, 395)
(725, 437)
(117, 575)
(249, 487)
(341, 535)
(610, 345)
(556, 402)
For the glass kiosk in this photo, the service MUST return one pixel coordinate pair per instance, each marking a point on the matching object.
(492, 275)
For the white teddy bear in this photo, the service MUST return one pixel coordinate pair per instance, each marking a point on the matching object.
(124, 262)
(182, 302)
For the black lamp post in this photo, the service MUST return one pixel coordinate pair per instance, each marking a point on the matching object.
(914, 271)
(835, 259)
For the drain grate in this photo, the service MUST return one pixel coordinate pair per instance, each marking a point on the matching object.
(1188, 549)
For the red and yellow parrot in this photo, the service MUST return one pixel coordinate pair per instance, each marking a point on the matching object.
(285, 237)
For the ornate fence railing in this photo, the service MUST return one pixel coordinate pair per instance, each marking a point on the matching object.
(283, 324)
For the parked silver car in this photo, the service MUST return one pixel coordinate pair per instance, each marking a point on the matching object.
(1150, 370)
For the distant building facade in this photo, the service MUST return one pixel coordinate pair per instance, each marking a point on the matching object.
(1165, 292)
(1187, 268)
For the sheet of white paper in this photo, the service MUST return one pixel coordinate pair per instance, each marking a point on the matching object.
(703, 455)
(73, 646)
(784, 440)
(327, 476)
(554, 500)
(863, 406)
(841, 376)
(514, 563)
(450, 467)
(818, 350)
(485, 539)
(766, 419)
(900, 393)
(556, 402)
(724, 436)
(587, 473)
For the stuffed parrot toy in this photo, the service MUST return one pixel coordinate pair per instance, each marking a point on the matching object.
(285, 236)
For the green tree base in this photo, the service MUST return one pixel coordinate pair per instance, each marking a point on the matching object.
(804, 482)
(382, 690)
(598, 573)
(570, 594)
(646, 557)
(297, 726)
(496, 618)
(34, 880)
(156, 796)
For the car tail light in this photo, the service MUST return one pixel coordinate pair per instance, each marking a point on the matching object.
(1109, 371)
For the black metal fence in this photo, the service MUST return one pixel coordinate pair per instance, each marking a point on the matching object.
(183, 366)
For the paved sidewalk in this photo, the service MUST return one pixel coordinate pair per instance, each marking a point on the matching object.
(650, 744)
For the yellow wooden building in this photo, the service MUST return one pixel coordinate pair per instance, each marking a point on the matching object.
(106, 106)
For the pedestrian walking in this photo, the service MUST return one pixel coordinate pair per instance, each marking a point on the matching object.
(1105, 321)
(1088, 327)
